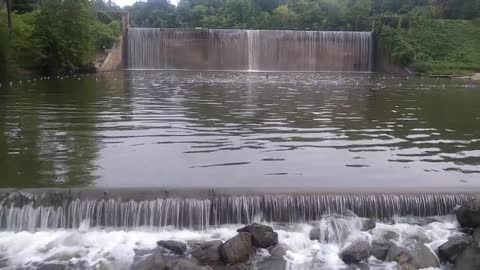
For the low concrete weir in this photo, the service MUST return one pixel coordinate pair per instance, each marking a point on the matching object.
(199, 209)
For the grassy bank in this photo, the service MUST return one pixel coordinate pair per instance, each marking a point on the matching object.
(450, 47)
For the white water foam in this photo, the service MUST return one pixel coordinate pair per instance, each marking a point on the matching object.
(115, 249)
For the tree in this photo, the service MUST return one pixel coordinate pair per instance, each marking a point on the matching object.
(24, 6)
(63, 36)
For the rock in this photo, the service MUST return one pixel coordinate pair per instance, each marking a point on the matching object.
(237, 249)
(424, 257)
(52, 266)
(368, 224)
(272, 263)
(380, 248)
(208, 253)
(174, 246)
(262, 236)
(453, 247)
(400, 255)
(468, 214)
(390, 235)
(469, 259)
(186, 264)
(357, 252)
(156, 260)
(278, 250)
(194, 243)
(476, 235)
(315, 233)
(408, 266)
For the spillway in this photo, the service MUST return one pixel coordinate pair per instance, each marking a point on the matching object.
(249, 50)
(196, 210)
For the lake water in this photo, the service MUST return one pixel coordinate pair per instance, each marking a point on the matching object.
(210, 129)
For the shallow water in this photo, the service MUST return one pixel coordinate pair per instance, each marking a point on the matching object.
(210, 129)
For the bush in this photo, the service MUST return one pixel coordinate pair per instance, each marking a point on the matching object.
(421, 68)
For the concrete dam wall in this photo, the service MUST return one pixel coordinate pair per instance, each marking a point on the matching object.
(249, 50)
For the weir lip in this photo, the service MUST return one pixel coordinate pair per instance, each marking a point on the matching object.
(202, 208)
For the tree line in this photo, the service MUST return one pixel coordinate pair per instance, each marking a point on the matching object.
(291, 14)
(53, 36)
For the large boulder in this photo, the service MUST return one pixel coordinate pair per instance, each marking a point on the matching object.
(356, 252)
(469, 259)
(237, 249)
(399, 254)
(380, 248)
(208, 253)
(424, 257)
(368, 224)
(468, 214)
(262, 236)
(174, 246)
(450, 250)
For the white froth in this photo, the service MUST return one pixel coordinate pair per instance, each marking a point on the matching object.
(115, 249)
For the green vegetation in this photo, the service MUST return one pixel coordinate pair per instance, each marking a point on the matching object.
(436, 46)
(56, 36)
(431, 36)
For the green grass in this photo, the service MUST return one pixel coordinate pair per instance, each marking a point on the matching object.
(439, 46)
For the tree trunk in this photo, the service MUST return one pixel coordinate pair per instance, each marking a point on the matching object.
(9, 16)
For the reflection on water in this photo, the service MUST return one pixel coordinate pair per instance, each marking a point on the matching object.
(321, 130)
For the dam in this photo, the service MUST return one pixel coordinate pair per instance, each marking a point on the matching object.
(249, 50)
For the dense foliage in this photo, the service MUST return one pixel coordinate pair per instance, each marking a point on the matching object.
(55, 36)
(291, 14)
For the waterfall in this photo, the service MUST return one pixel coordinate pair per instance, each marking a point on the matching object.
(32, 211)
(253, 50)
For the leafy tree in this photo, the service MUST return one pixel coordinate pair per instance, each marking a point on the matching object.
(24, 6)
(63, 35)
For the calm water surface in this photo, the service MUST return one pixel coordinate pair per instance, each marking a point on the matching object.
(191, 129)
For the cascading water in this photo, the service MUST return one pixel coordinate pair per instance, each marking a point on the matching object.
(26, 211)
(253, 50)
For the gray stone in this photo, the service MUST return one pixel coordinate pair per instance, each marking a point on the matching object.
(357, 252)
(408, 266)
(278, 250)
(424, 257)
(368, 224)
(208, 253)
(186, 264)
(469, 259)
(174, 246)
(398, 254)
(476, 235)
(390, 235)
(380, 248)
(262, 236)
(195, 243)
(157, 260)
(453, 247)
(315, 233)
(271, 263)
(237, 249)
(468, 214)
(52, 266)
